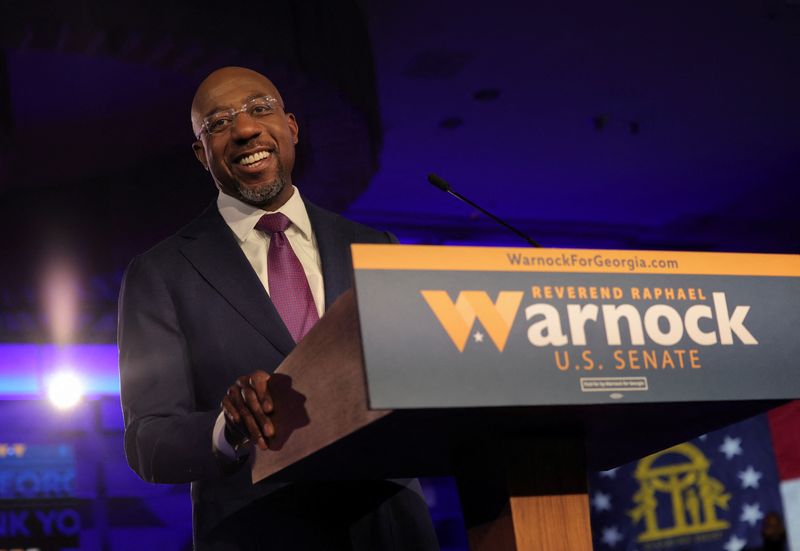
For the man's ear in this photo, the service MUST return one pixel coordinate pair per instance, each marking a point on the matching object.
(292, 122)
(200, 153)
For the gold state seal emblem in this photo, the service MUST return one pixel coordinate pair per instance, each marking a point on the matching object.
(684, 487)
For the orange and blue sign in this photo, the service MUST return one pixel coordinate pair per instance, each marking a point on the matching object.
(524, 327)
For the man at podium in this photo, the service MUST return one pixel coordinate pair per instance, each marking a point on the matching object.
(207, 314)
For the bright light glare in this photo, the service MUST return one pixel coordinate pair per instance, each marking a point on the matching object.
(61, 299)
(64, 390)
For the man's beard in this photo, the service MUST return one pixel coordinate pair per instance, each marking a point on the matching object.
(259, 196)
(263, 194)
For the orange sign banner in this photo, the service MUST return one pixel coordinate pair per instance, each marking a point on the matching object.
(506, 259)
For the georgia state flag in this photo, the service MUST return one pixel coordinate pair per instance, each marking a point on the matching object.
(712, 493)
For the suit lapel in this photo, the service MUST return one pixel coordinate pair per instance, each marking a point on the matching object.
(214, 253)
(334, 252)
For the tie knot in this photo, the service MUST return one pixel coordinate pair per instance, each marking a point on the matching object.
(273, 222)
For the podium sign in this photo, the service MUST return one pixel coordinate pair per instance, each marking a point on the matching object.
(446, 327)
(515, 369)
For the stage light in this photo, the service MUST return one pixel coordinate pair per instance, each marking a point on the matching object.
(65, 390)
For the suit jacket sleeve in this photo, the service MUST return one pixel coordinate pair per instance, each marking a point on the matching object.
(166, 438)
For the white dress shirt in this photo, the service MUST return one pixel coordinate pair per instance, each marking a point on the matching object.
(242, 218)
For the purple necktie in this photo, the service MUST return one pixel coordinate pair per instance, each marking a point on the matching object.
(288, 286)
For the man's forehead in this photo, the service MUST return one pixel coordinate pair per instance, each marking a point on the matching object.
(224, 102)
(230, 89)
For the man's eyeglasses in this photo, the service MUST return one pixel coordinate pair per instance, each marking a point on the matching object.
(221, 121)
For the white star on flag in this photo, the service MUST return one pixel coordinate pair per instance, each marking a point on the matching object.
(611, 536)
(478, 336)
(751, 514)
(735, 543)
(611, 473)
(731, 447)
(750, 477)
(601, 501)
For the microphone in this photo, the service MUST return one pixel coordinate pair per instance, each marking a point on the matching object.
(444, 186)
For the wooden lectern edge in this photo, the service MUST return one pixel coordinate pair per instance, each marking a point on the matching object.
(325, 381)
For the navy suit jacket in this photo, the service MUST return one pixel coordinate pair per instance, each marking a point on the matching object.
(193, 317)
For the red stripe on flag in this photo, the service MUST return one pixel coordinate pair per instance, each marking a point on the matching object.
(784, 424)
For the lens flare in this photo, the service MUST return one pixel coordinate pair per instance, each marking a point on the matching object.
(61, 296)
(65, 390)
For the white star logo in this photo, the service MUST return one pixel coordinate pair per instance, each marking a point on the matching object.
(735, 543)
(601, 501)
(751, 514)
(750, 477)
(478, 336)
(611, 536)
(611, 473)
(731, 447)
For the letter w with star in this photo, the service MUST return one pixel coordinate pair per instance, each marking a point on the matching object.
(457, 318)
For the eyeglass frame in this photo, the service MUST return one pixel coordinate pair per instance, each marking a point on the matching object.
(233, 113)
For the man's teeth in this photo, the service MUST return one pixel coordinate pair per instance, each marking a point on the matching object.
(254, 158)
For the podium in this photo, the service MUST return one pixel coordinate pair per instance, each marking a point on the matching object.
(520, 463)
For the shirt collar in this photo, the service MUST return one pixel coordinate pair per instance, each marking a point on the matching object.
(242, 218)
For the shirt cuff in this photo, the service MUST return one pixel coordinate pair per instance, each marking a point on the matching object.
(221, 443)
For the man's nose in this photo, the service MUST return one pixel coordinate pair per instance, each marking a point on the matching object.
(245, 127)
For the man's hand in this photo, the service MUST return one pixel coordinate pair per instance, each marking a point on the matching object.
(248, 406)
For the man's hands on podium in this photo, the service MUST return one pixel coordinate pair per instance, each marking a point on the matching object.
(247, 406)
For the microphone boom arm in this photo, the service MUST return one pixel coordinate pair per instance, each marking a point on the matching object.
(444, 186)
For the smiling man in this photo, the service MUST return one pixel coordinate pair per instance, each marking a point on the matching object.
(252, 165)
(207, 314)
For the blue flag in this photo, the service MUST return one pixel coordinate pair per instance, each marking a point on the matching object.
(711, 493)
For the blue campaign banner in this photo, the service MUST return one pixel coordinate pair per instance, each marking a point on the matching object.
(36, 471)
(564, 327)
(38, 509)
(711, 493)
(41, 524)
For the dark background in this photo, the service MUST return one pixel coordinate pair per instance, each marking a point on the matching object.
(617, 124)
(621, 124)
